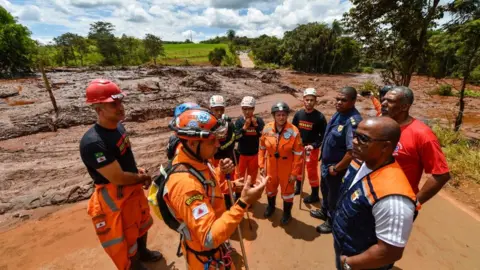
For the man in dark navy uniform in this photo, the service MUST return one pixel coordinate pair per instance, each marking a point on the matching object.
(336, 154)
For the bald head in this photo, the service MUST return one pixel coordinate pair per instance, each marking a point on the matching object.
(406, 94)
(385, 128)
(350, 92)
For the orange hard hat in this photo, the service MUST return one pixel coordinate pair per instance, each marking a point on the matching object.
(198, 124)
(103, 91)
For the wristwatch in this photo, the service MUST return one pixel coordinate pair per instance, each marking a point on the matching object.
(242, 204)
(346, 266)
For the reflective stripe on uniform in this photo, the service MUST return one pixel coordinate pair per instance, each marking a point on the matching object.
(132, 249)
(112, 242)
(209, 240)
(147, 223)
(263, 147)
(108, 200)
(269, 193)
(297, 153)
(286, 197)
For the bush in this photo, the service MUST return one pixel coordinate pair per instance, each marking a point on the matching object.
(475, 75)
(368, 70)
(369, 87)
(216, 56)
(462, 155)
(443, 90)
(471, 93)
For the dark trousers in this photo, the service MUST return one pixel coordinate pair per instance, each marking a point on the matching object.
(330, 187)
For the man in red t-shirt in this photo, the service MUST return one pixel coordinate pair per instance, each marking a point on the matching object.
(418, 149)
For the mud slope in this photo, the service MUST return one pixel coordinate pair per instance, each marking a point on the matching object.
(152, 93)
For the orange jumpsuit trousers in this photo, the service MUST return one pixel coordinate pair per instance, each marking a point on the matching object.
(202, 212)
(120, 216)
(312, 168)
(288, 161)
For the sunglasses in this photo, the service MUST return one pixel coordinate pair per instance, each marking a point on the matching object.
(364, 139)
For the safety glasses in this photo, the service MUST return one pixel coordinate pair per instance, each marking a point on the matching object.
(364, 139)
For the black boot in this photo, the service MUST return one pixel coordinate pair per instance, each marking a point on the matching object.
(326, 227)
(298, 187)
(136, 264)
(318, 213)
(312, 198)
(271, 207)
(287, 213)
(146, 255)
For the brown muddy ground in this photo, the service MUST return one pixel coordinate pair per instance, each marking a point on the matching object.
(44, 169)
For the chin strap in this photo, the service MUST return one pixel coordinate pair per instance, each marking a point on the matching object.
(196, 155)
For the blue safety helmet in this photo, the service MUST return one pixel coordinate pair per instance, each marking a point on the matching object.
(185, 106)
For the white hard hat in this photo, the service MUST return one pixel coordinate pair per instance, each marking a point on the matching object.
(310, 92)
(248, 101)
(217, 101)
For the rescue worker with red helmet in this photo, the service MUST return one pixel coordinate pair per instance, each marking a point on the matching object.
(280, 157)
(118, 206)
(227, 143)
(196, 205)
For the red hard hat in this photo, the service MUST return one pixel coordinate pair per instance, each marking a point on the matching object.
(103, 91)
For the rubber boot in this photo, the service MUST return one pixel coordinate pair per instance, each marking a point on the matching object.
(146, 255)
(298, 187)
(136, 264)
(271, 207)
(312, 198)
(326, 227)
(287, 213)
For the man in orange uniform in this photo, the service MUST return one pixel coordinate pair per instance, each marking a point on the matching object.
(118, 206)
(281, 152)
(200, 210)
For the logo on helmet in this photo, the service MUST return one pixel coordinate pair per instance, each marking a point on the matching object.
(203, 117)
(192, 124)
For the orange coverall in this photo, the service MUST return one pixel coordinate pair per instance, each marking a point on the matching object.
(288, 145)
(207, 223)
(120, 215)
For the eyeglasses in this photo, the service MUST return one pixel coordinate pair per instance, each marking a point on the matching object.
(364, 139)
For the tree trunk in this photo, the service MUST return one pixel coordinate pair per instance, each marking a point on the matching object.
(155, 61)
(459, 119)
(50, 93)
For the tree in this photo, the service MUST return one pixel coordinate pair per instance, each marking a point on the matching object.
(102, 34)
(65, 44)
(15, 45)
(216, 56)
(231, 35)
(316, 47)
(465, 32)
(153, 46)
(266, 49)
(81, 46)
(394, 30)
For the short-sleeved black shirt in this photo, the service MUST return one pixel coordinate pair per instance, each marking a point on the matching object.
(100, 146)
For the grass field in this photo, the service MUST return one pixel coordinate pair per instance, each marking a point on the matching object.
(196, 54)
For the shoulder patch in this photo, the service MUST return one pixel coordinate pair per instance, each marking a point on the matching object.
(353, 121)
(196, 197)
(200, 211)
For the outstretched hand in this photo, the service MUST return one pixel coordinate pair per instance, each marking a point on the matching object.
(252, 192)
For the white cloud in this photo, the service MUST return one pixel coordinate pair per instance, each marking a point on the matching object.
(29, 13)
(94, 3)
(175, 19)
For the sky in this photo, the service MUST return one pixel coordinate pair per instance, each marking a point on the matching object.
(173, 20)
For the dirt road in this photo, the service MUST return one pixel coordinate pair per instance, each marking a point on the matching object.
(246, 61)
(443, 238)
